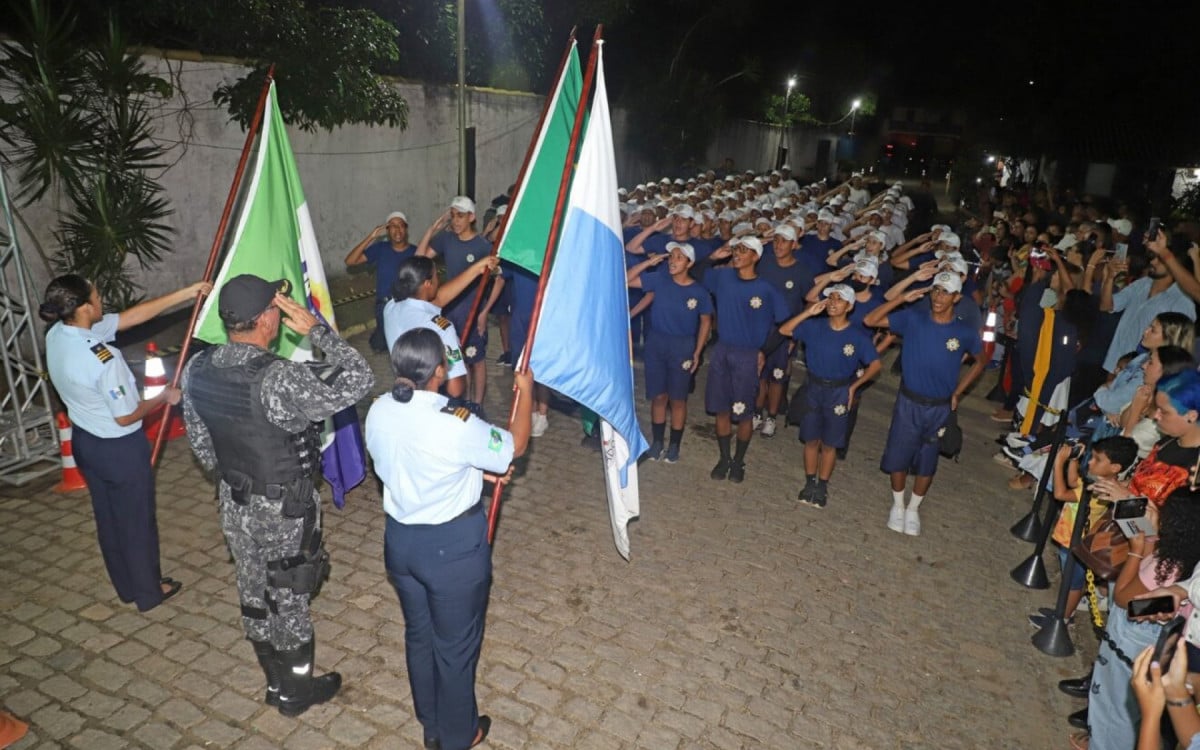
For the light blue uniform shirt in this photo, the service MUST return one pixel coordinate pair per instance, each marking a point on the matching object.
(403, 316)
(1140, 310)
(92, 378)
(431, 462)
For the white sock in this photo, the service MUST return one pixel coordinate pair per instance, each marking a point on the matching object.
(898, 499)
(915, 501)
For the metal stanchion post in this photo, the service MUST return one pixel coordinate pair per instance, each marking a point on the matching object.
(1053, 639)
(1029, 528)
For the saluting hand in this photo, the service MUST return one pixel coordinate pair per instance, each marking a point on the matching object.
(654, 260)
(295, 316)
(915, 294)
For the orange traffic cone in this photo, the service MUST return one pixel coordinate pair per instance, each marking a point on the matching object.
(11, 729)
(71, 478)
(155, 382)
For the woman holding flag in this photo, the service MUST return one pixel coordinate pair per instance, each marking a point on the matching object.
(431, 458)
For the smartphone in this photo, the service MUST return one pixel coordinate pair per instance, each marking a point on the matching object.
(1164, 648)
(1130, 516)
(1122, 251)
(1157, 605)
(1152, 231)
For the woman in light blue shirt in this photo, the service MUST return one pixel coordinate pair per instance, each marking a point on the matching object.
(431, 458)
(112, 454)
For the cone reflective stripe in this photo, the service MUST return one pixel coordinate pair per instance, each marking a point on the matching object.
(154, 383)
(989, 328)
(156, 376)
(71, 478)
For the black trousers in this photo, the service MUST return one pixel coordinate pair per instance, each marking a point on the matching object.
(118, 476)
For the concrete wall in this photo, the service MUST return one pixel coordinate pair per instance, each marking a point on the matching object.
(354, 176)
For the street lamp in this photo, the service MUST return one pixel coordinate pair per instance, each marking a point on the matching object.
(853, 111)
(781, 157)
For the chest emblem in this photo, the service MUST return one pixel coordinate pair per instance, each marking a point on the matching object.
(756, 302)
(952, 344)
(470, 257)
(471, 351)
(692, 302)
(739, 408)
(839, 410)
(789, 284)
(848, 350)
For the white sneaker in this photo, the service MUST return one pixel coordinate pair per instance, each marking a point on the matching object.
(756, 422)
(896, 520)
(540, 424)
(912, 522)
(768, 427)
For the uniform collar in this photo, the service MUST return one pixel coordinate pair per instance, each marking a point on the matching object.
(430, 398)
(422, 304)
(79, 331)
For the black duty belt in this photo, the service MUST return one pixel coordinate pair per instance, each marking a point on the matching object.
(922, 400)
(830, 383)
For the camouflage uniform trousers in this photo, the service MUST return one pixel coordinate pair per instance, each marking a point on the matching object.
(258, 533)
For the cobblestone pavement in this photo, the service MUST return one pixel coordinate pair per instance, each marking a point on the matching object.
(745, 619)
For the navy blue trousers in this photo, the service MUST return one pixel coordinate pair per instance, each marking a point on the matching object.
(118, 475)
(442, 575)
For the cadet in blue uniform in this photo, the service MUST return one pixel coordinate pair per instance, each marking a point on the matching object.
(417, 299)
(841, 359)
(111, 452)
(459, 248)
(936, 342)
(385, 248)
(793, 279)
(431, 459)
(680, 321)
(748, 310)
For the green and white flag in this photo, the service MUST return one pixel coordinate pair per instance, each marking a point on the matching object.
(532, 209)
(274, 239)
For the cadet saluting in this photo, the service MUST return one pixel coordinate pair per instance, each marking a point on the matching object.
(101, 397)
(431, 458)
(256, 418)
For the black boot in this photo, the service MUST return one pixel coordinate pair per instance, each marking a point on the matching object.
(1077, 688)
(1079, 719)
(270, 666)
(298, 689)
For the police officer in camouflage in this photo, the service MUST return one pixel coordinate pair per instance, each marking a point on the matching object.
(255, 418)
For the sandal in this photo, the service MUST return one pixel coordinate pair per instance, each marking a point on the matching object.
(1019, 482)
(1079, 741)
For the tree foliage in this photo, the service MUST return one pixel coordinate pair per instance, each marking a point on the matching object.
(789, 110)
(77, 116)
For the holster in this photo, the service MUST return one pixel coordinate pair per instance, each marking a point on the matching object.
(306, 572)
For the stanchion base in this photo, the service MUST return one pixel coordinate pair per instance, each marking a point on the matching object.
(1053, 639)
(1028, 529)
(1032, 573)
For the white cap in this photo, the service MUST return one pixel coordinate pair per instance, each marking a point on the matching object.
(762, 220)
(744, 227)
(622, 192)
(956, 263)
(1121, 226)
(948, 282)
(950, 238)
(940, 228)
(824, 216)
(727, 215)
(463, 204)
(842, 290)
(684, 211)
(837, 200)
(753, 243)
(867, 267)
(878, 236)
(786, 231)
(502, 209)
(684, 248)
(782, 204)
(397, 215)
(785, 166)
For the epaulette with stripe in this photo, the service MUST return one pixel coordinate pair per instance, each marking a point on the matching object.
(441, 321)
(460, 412)
(102, 353)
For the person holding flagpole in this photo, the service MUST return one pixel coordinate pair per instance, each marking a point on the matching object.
(748, 310)
(680, 321)
(431, 457)
(102, 400)
(255, 419)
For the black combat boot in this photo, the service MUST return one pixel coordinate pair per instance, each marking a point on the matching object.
(270, 667)
(298, 689)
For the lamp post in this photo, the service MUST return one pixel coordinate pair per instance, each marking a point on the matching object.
(781, 158)
(462, 97)
(853, 111)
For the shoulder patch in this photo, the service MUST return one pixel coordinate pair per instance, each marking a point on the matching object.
(459, 412)
(102, 353)
(441, 322)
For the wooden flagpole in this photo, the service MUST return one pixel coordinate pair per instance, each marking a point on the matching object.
(564, 186)
(512, 200)
(218, 241)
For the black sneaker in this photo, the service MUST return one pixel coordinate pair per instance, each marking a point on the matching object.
(806, 492)
(656, 451)
(505, 359)
(820, 494)
(721, 470)
(737, 471)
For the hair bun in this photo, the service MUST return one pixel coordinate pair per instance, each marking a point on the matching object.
(49, 312)
(403, 390)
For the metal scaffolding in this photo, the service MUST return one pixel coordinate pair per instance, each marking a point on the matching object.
(28, 436)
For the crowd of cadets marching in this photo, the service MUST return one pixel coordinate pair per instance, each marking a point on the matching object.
(777, 270)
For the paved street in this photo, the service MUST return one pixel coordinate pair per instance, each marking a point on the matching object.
(745, 620)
